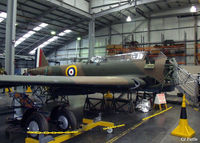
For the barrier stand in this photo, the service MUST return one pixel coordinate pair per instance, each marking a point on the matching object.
(29, 89)
(183, 129)
(8, 90)
(108, 102)
(90, 124)
(160, 100)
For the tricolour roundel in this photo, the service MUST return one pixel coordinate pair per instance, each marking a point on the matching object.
(71, 70)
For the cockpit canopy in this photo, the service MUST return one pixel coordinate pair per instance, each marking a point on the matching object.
(120, 57)
(133, 56)
(128, 56)
(97, 59)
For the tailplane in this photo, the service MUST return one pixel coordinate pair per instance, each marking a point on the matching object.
(40, 59)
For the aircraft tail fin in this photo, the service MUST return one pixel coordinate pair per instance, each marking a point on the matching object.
(40, 59)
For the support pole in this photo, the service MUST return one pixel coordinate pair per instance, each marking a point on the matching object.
(91, 37)
(78, 45)
(55, 55)
(110, 37)
(79, 51)
(185, 43)
(195, 39)
(10, 36)
(148, 31)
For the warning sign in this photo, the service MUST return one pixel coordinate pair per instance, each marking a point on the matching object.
(160, 99)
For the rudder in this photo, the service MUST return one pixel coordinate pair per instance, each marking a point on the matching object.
(40, 59)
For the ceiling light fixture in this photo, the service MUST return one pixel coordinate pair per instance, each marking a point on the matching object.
(128, 19)
(53, 32)
(193, 9)
(78, 38)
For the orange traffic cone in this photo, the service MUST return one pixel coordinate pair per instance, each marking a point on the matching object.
(183, 129)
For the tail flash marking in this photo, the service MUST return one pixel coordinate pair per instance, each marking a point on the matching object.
(40, 59)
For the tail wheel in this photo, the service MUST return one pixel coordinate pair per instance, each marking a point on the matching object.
(64, 118)
(36, 122)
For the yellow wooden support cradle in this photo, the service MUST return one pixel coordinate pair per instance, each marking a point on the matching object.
(90, 124)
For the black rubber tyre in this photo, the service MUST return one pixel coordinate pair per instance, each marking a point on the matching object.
(64, 118)
(26, 115)
(36, 119)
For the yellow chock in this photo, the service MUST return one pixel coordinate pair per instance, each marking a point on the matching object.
(183, 129)
(29, 89)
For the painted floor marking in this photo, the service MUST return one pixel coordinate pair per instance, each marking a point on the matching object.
(135, 126)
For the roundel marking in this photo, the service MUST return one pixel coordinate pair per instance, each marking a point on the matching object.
(71, 70)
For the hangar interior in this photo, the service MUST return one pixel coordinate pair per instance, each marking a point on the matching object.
(71, 31)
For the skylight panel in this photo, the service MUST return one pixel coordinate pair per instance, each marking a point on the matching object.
(43, 25)
(30, 33)
(67, 31)
(38, 28)
(32, 52)
(64, 32)
(1, 19)
(61, 34)
(50, 40)
(3, 16)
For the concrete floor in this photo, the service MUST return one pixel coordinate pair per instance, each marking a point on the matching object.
(154, 130)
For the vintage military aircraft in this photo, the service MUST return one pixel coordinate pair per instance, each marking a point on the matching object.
(119, 73)
(116, 73)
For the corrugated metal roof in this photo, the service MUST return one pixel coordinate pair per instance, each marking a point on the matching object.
(30, 13)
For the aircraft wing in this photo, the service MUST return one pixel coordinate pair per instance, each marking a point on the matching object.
(56, 81)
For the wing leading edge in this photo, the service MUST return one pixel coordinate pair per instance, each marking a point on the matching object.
(9, 81)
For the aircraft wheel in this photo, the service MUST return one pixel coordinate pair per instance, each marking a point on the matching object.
(65, 119)
(36, 122)
(26, 115)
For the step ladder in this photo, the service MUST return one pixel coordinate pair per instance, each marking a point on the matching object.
(187, 83)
